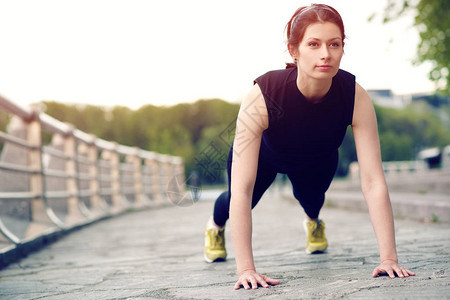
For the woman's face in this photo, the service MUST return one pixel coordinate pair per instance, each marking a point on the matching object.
(320, 51)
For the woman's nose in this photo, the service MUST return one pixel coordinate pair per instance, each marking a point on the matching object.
(325, 54)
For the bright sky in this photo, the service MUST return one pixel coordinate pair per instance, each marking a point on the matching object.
(162, 52)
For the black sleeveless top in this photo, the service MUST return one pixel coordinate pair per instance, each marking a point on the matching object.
(300, 131)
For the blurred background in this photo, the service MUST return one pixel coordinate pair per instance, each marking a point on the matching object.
(168, 76)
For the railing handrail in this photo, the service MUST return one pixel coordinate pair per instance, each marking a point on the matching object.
(15, 109)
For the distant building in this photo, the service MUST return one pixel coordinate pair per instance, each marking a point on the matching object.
(431, 156)
(434, 99)
(385, 97)
(436, 157)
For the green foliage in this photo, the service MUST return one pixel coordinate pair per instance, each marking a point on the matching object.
(202, 132)
(87, 118)
(347, 153)
(403, 133)
(434, 218)
(186, 130)
(433, 22)
(396, 147)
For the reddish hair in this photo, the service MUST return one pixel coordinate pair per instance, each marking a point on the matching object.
(307, 15)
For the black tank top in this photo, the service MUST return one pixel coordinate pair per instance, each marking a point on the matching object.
(300, 131)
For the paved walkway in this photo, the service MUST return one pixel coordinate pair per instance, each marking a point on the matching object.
(157, 254)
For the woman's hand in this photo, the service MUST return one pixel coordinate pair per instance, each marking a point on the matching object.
(250, 277)
(391, 268)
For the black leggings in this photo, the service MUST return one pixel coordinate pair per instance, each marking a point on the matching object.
(309, 183)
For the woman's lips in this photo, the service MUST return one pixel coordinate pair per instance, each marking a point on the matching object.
(324, 67)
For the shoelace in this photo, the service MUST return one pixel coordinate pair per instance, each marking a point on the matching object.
(217, 241)
(317, 230)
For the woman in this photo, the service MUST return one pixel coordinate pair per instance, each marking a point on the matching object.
(292, 122)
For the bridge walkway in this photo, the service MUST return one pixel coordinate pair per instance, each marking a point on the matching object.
(157, 254)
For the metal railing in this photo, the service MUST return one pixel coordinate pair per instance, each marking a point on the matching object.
(74, 179)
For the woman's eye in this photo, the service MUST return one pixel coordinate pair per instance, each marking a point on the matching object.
(335, 45)
(313, 44)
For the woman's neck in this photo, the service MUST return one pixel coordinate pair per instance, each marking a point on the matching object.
(313, 89)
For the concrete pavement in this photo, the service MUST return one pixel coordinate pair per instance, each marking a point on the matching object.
(158, 254)
(412, 197)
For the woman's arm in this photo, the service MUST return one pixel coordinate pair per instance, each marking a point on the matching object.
(251, 122)
(373, 183)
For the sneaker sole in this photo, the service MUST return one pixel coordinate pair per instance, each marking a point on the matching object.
(315, 252)
(219, 259)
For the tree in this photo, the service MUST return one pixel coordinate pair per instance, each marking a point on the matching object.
(432, 19)
(202, 132)
(403, 133)
(119, 127)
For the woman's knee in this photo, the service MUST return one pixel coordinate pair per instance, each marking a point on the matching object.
(221, 209)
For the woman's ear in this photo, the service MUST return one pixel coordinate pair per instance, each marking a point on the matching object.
(293, 52)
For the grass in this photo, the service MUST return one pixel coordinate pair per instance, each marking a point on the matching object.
(434, 218)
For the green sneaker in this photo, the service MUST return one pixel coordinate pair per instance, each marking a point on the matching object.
(215, 245)
(316, 241)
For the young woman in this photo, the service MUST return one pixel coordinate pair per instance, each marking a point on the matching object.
(292, 122)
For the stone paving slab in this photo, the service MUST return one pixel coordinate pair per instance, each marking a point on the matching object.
(158, 254)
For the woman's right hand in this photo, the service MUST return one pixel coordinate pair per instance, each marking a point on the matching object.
(250, 277)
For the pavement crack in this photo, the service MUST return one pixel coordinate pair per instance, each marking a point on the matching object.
(439, 274)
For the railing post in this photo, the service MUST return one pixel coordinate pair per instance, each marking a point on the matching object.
(42, 216)
(354, 171)
(136, 161)
(74, 212)
(165, 173)
(176, 183)
(97, 203)
(179, 173)
(118, 200)
(152, 163)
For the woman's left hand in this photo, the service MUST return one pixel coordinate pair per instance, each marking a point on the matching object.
(391, 268)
